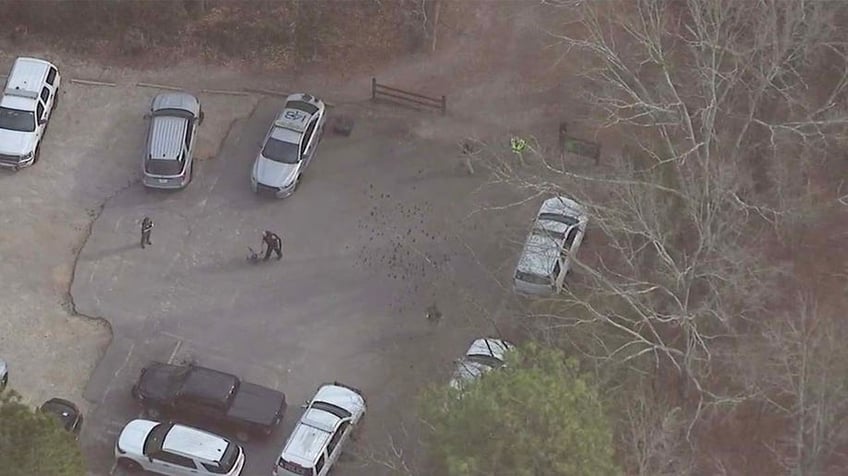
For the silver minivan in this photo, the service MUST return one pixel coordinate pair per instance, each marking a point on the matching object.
(555, 236)
(171, 136)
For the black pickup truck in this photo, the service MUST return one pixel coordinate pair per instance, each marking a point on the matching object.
(208, 397)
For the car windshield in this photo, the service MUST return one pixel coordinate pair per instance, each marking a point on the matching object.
(16, 120)
(330, 408)
(531, 278)
(156, 437)
(164, 167)
(558, 218)
(303, 106)
(174, 113)
(228, 459)
(280, 151)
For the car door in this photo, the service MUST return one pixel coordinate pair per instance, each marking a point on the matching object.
(337, 441)
(40, 119)
(190, 139)
(173, 464)
(46, 97)
(197, 411)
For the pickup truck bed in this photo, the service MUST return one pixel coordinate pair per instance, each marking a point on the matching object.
(257, 405)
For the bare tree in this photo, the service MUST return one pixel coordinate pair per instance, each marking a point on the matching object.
(806, 363)
(725, 108)
(713, 97)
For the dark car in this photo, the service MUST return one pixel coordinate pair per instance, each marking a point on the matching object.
(208, 397)
(68, 415)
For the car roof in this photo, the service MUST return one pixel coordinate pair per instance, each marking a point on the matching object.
(176, 100)
(166, 137)
(27, 77)
(539, 254)
(293, 120)
(306, 442)
(195, 443)
(208, 385)
(286, 135)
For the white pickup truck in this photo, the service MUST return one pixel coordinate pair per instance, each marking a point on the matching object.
(29, 97)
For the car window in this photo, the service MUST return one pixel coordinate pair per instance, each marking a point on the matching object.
(188, 134)
(569, 239)
(310, 129)
(51, 76)
(39, 111)
(337, 437)
(45, 94)
(319, 464)
(175, 459)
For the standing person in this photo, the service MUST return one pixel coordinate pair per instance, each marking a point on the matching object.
(146, 228)
(273, 244)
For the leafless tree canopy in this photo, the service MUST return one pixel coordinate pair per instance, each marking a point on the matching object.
(725, 107)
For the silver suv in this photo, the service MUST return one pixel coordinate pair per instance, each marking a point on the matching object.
(289, 146)
(30, 96)
(553, 241)
(169, 159)
(316, 442)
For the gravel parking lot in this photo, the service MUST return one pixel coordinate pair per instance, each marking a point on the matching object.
(378, 230)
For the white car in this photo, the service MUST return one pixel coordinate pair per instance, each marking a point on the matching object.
(483, 356)
(176, 450)
(326, 424)
(31, 94)
(289, 146)
(555, 238)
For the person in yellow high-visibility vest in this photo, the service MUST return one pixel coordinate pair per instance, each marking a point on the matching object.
(518, 145)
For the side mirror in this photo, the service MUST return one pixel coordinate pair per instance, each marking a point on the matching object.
(42, 121)
(306, 404)
(200, 118)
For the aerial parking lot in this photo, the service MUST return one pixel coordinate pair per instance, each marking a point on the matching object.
(380, 228)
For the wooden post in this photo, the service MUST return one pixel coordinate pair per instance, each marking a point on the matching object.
(373, 89)
(563, 136)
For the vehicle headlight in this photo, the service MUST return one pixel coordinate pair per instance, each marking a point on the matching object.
(26, 156)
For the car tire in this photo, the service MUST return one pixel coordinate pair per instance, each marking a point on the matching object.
(36, 155)
(55, 103)
(129, 465)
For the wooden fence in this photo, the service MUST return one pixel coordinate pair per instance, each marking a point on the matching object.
(381, 91)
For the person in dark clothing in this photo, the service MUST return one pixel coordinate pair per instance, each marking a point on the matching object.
(273, 244)
(146, 228)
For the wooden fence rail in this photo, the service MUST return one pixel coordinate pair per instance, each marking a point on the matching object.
(381, 91)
